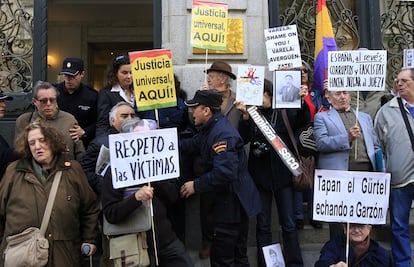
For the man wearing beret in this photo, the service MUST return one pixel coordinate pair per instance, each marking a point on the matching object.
(7, 154)
(78, 99)
(234, 195)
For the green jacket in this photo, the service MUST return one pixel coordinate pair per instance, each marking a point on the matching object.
(74, 216)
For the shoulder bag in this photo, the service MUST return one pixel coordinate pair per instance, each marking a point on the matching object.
(30, 247)
(303, 181)
(137, 221)
(127, 239)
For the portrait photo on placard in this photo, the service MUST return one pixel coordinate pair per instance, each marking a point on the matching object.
(287, 87)
(273, 255)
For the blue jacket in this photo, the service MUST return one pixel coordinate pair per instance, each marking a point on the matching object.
(332, 139)
(334, 251)
(225, 173)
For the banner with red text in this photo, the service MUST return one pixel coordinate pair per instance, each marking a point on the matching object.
(153, 79)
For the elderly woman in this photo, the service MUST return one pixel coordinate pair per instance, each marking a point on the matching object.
(24, 192)
(363, 250)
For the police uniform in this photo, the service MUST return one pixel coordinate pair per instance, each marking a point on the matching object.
(234, 195)
(82, 104)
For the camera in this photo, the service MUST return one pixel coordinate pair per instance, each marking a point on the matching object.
(260, 149)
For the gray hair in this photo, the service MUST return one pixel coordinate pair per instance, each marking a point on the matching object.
(114, 110)
(43, 85)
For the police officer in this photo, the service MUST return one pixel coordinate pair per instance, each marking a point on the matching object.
(78, 99)
(235, 197)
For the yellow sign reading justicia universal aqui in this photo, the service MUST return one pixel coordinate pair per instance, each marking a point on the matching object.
(209, 25)
(153, 77)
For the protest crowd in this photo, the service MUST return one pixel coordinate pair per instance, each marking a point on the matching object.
(238, 158)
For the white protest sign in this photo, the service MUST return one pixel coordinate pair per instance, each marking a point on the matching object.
(250, 81)
(409, 58)
(351, 196)
(142, 157)
(355, 70)
(282, 46)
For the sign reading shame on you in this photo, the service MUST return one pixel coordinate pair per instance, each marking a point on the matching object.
(351, 196)
(142, 157)
(153, 79)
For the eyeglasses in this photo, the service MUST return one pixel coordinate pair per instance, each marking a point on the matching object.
(304, 70)
(121, 60)
(44, 101)
(403, 80)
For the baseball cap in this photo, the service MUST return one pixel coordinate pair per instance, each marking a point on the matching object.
(72, 66)
(207, 98)
(5, 97)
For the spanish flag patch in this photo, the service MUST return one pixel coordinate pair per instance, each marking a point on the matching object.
(220, 147)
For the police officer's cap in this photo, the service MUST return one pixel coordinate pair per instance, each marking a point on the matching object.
(72, 66)
(206, 98)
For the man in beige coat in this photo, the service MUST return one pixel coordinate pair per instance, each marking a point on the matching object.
(47, 111)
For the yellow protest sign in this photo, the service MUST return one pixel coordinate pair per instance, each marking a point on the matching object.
(153, 79)
(209, 25)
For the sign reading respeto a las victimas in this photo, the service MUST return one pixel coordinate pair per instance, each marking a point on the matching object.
(355, 70)
(142, 157)
(350, 196)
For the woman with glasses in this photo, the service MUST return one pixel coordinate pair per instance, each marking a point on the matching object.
(363, 251)
(117, 88)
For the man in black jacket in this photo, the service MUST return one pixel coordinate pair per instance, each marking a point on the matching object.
(234, 196)
(78, 99)
(7, 154)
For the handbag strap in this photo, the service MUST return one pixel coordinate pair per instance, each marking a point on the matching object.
(407, 123)
(50, 202)
(290, 131)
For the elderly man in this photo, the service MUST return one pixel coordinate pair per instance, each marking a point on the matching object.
(363, 251)
(226, 179)
(7, 154)
(344, 141)
(394, 124)
(78, 99)
(219, 77)
(45, 101)
(118, 114)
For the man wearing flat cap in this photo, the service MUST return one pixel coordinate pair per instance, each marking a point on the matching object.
(7, 154)
(78, 99)
(226, 179)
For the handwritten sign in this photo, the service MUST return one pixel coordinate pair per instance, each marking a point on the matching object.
(350, 196)
(409, 58)
(209, 25)
(142, 157)
(357, 70)
(282, 46)
(250, 81)
(153, 79)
